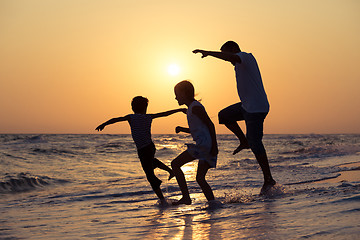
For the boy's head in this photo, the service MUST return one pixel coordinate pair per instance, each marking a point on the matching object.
(230, 46)
(139, 104)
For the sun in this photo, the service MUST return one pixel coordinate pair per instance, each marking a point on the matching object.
(173, 69)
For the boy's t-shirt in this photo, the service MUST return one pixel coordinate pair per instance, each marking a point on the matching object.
(140, 125)
(249, 84)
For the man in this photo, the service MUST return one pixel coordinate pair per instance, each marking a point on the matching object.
(253, 108)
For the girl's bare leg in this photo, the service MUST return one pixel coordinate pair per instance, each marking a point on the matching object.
(176, 164)
(200, 178)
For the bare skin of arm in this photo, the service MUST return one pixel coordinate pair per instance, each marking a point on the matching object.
(204, 117)
(182, 129)
(226, 56)
(167, 113)
(112, 121)
(201, 113)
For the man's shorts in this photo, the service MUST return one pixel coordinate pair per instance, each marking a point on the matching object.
(254, 124)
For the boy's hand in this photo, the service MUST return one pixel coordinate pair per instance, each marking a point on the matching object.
(184, 110)
(100, 127)
(204, 53)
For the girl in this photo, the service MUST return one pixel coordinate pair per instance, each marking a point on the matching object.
(203, 132)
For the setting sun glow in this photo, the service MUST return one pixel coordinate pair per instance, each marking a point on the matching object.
(173, 69)
(85, 62)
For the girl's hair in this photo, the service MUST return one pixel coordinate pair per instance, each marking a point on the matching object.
(187, 88)
(139, 104)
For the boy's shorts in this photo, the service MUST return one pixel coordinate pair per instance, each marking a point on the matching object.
(254, 124)
(149, 163)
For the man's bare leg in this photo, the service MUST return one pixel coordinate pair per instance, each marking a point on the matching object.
(235, 128)
(268, 179)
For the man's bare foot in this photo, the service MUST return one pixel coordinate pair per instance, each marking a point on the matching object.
(182, 201)
(171, 175)
(241, 147)
(267, 186)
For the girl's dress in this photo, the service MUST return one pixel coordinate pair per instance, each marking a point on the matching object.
(201, 135)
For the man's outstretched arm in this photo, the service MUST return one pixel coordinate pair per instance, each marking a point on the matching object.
(230, 57)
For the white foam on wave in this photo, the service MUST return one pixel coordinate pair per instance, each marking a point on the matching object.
(238, 197)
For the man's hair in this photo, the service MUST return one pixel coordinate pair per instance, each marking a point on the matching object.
(187, 88)
(139, 104)
(230, 45)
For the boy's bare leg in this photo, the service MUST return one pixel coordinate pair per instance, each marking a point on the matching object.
(166, 168)
(176, 164)
(235, 128)
(160, 195)
(200, 178)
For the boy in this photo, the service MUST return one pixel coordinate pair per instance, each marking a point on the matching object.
(140, 124)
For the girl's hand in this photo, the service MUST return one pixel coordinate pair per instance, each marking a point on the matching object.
(178, 129)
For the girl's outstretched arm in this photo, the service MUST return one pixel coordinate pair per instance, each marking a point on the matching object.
(182, 129)
(204, 117)
(111, 121)
(167, 113)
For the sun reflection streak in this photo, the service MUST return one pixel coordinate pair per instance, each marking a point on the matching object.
(189, 171)
(201, 226)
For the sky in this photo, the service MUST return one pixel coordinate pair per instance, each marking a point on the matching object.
(69, 65)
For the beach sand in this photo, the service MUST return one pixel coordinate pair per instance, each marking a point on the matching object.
(351, 175)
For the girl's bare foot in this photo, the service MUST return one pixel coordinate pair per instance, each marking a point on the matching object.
(241, 147)
(183, 201)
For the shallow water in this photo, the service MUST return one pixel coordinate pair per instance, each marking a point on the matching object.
(93, 187)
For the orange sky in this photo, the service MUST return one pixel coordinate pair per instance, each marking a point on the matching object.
(67, 66)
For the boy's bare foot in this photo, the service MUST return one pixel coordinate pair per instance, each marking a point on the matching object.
(266, 187)
(182, 201)
(241, 147)
(171, 175)
(163, 202)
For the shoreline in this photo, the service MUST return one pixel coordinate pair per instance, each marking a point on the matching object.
(351, 175)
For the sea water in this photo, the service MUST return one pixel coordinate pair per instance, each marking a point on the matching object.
(93, 187)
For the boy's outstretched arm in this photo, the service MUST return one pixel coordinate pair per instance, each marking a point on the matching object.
(167, 113)
(111, 121)
(204, 117)
(230, 57)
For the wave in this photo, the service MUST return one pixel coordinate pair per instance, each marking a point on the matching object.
(22, 139)
(322, 151)
(25, 182)
(52, 151)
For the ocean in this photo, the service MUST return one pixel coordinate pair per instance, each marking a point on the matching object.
(75, 186)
